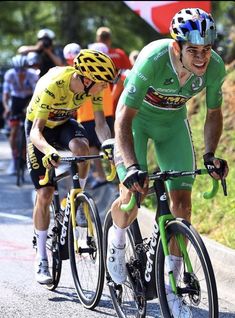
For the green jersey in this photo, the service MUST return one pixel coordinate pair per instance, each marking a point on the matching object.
(153, 82)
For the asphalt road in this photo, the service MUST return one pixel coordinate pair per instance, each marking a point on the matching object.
(21, 296)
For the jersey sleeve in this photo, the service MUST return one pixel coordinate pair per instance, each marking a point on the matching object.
(215, 78)
(97, 102)
(137, 83)
(44, 100)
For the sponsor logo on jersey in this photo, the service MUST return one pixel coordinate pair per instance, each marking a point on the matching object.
(197, 83)
(142, 76)
(49, 93)
(168, 81)
(79, 98)
(131, 89)
(160, 54)
(158, 100)
(60, 83)
(60, 114)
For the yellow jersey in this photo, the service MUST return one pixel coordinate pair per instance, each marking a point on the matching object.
(54, 101)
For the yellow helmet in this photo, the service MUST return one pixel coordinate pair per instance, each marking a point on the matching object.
(95, 65)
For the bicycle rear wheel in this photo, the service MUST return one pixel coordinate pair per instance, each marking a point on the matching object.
(20, 159)
(53, 249)
(87, 262)
(196, 288)
(124, 297)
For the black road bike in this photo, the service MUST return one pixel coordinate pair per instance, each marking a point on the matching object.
(66, 239)
(149, 264)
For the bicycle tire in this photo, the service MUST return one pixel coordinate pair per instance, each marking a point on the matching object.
(53, 250)
(87, 265)
(203, 296)
(20, 159)
(123, 296)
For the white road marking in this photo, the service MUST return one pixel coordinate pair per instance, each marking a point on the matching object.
(15, 216)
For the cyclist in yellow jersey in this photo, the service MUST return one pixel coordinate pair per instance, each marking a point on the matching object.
(58, 94)
(90, 117)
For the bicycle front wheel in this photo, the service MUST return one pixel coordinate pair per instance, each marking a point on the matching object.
(86, 253)
(127, 301)
(195, 280)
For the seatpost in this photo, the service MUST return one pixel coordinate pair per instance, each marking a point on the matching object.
(75, 175)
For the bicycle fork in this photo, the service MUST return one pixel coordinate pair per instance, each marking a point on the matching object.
(164, 216)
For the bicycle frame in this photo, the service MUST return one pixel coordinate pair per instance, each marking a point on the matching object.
(163, 216)
(70, 201)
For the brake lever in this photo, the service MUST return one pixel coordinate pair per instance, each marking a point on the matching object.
(138, 198)
(224, 186)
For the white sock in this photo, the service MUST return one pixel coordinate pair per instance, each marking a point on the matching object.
(118, 236)
(41, 244)
(82, 182)
(177, 262)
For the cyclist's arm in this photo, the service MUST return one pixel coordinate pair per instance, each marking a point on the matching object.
(29, 48)
(123, 133)
(212, 133)
(55, 58)
(213, 129)
(101, 127)
(36, 136)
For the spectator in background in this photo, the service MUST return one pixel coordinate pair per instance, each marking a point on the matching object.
(119, 57)
(70, 51)
(49, 55)
(34, 61)
(86, 116)
(133, 56)
(119, 86)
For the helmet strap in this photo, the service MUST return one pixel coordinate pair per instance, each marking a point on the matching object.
(86, 88)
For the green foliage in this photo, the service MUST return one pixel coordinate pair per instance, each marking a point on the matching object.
(72, 21)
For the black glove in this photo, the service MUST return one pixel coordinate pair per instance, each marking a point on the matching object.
(134, 174)
(208, 162)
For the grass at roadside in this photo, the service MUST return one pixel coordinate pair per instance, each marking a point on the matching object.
(216, 217)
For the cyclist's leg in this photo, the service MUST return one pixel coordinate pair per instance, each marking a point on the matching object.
(182, 158)
(41, 216)
(122, 220)
(74, 138)
(179, 189)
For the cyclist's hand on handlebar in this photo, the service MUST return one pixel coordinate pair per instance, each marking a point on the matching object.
(136, 179)
(108, 148)
(216, 167)
(51, 158)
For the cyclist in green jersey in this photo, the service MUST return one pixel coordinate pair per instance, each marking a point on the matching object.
(50, 122)
(166, 74)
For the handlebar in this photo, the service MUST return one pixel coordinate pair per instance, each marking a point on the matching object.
(165, 175)
(78, 159)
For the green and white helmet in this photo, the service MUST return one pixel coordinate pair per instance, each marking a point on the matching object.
(193, 25)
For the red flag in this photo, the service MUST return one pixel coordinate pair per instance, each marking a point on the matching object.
(159, 13)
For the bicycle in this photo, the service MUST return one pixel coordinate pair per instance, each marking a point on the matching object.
(148, 263)
(82, 245)
(21, 153)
